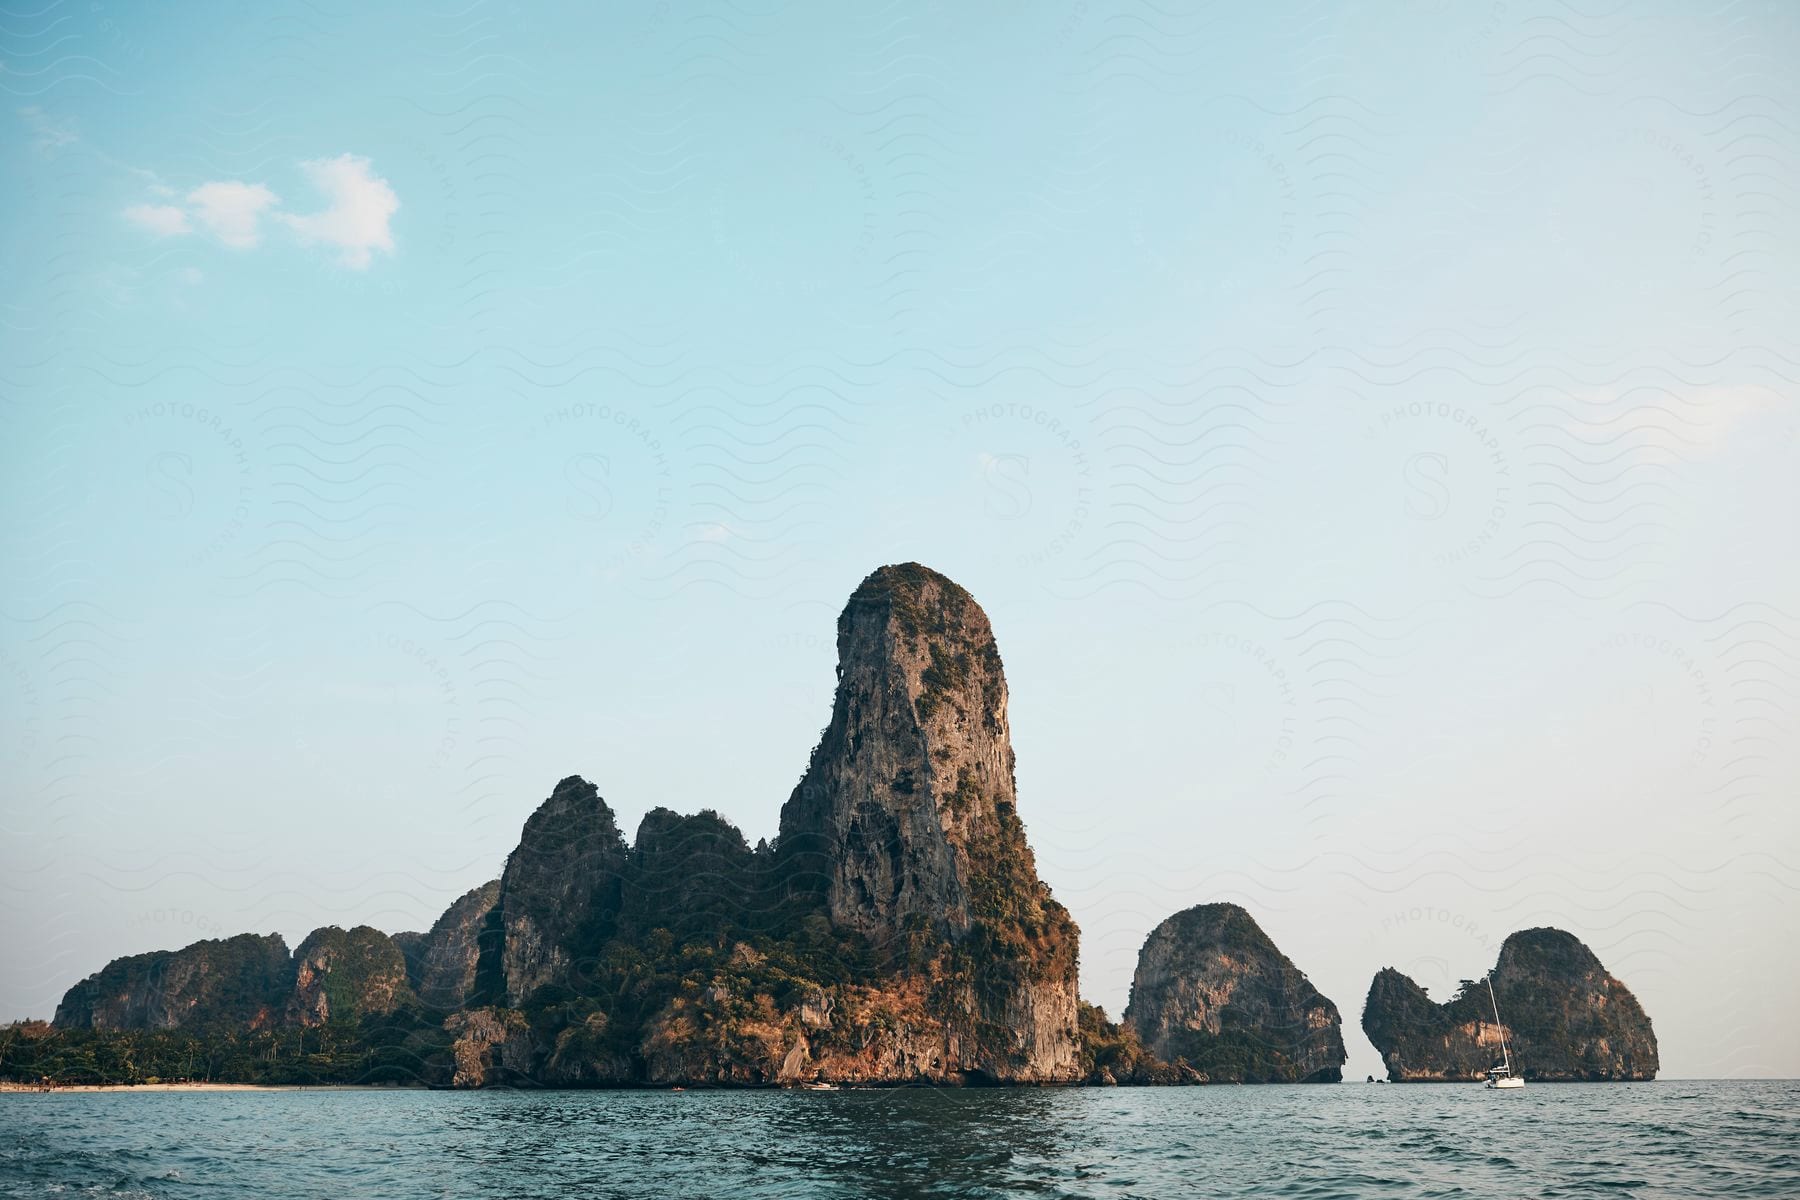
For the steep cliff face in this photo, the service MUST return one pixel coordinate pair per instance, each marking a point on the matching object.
(342, 975)
(909, 767)
(1565, 1019)
(491, 1046)
(560, 893)
(1213, 992)
(441, 963)
(905, 826)
(241, 981)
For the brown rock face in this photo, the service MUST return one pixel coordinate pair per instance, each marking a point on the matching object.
(1213, 991)
(1566, 1019)
(493, 1045)
(561, 892)
(342, 975)
(441, 963)
(906, 823)
(724, 1034)
(908, 764)
(239, 982)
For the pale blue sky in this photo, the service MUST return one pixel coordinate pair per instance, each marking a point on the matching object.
(1374, 437)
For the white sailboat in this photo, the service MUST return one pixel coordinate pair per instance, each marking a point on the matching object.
(1501, 1076)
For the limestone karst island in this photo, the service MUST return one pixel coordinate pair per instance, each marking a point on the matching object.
(895, 932)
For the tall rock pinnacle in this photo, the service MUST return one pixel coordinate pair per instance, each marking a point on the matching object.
(559, 896)
(906, 818)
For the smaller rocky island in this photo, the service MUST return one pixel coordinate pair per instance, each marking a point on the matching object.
(1566, 1019)
(1215, 999)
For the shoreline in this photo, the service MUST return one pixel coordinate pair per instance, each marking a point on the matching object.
(14, 1087)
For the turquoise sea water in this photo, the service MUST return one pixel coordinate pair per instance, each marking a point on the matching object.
(1668, 1139)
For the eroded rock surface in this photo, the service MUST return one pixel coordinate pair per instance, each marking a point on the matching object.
(441, 962)
(492, 1045)
(1214, 994)
(560, 893)
(346, 974)
(906, 824)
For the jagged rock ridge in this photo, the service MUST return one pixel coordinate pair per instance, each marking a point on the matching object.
(247, 982)
(1212, 993)
(1566, 1019)
(896, 932)
(238, 981)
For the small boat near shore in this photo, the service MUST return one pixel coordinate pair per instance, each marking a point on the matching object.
(1500, 1077)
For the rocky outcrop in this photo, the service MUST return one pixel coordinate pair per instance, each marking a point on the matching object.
(239, 982)
(726, 1033)
(560, 893)
(441, 963)
(343, 975)
(1565, 1019)
(906, 826)
(491, 1046)
(585, 1051)
(1213, 994)
(1111, 1054)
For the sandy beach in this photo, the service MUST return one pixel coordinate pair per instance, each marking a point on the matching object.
(207, 1087)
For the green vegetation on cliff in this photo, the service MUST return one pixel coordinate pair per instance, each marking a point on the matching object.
(403, 1047)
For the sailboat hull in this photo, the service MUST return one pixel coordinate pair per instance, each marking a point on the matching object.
(1506, 1083)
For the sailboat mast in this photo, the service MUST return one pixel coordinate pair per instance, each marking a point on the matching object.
(1505, 1058)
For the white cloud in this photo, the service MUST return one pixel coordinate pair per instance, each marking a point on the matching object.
(361, 206)
(164, 220)
(232, 211)
(355, 223)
